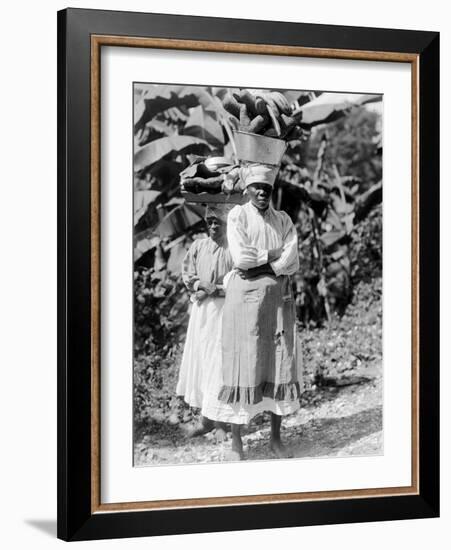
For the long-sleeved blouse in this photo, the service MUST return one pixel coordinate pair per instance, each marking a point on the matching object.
(251, 233)
(205, 261)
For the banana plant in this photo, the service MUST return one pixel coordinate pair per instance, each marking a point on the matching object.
(329, 208)
(170, 123)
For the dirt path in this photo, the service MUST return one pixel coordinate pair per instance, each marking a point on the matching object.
(334, 422)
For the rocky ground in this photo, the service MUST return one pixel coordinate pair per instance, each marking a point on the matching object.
(338, 422)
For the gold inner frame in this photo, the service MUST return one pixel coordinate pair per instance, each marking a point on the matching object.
(97, 41)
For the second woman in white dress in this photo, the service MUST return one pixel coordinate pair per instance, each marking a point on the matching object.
(206, 263)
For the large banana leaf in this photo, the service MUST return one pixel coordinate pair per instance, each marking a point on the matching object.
(144, 241)
(160, 127)
(330, 107)
(203, 125)
(157, 98)
(159, 148)
(298, 98)
(141, 201)
(368, 201)
(179, 220)
(154, 129)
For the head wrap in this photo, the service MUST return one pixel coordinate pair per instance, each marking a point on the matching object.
(219, 211)
(258, 173)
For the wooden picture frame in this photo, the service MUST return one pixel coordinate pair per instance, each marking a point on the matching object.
(81, 35)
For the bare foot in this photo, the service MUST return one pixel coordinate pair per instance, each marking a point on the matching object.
(203, 427)
(237, 444)
(221, 435)
(236, 453)
(279, 449)
(234, 456)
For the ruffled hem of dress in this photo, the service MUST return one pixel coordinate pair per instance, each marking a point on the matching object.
(243, 395)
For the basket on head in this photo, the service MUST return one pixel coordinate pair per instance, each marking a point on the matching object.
(259, 149)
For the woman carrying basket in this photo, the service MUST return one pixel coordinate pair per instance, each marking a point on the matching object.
(261, 360)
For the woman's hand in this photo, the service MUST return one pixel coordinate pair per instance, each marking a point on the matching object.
(207, 287)
(200, 295)
(274, 254)
(255, 272)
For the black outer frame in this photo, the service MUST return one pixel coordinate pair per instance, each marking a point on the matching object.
(75, 520)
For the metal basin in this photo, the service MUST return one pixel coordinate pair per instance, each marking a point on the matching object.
(257, 148)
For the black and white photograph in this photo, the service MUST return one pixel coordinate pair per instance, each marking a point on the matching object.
(257, 274)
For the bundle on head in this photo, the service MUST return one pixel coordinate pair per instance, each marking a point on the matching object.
(202, 176)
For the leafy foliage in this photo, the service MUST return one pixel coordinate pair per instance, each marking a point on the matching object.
(350, 345)
(160, 321)
(329, 208)
(161, 304)
(352, 148)
(366, 248)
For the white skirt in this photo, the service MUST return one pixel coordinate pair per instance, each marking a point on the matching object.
(201, 359)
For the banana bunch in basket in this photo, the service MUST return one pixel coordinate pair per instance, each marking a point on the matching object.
(263, 112)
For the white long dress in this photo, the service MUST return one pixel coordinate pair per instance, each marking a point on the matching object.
(201, 361)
